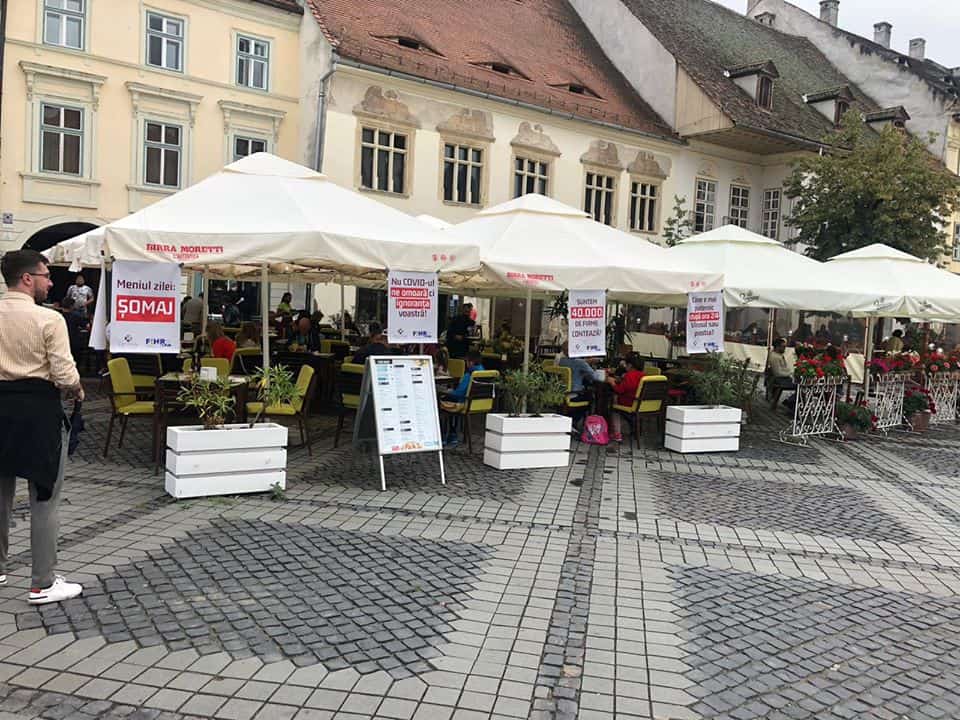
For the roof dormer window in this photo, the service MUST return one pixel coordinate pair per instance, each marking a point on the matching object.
(840, 109)
(502, 68)
(410, 43)
(895, 116)
(765, 92)
(577, 89)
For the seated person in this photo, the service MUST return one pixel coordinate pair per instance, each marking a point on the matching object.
(220, 345)
(582, 378)
(781, 372)
(894, 343)
(249, 336)
(454, 399)
(304, 338)
(377, 345)
(626, 391)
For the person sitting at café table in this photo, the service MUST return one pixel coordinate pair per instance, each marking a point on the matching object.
(625, 388)
(781, 371)
(220, 345)
(377, 345)
(249, 336)
(348, 324)
(582, 379)
(304, 337)
(454, 399)
(894, 343)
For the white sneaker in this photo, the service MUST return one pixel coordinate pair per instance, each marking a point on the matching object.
(60, 590)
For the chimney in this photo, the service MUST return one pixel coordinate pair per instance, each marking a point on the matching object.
(829, 11)
(751, 6)
(881, 33)
(918, 48)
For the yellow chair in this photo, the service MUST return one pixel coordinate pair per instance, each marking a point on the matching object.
(145, 369)
(349, 384)
(221, 364)
(340, 348)
(650, 400)
(481, 395)
(124, 397)
(570, 407)
(298, 408)
(548, 363)
(247, 360)
(456, 367)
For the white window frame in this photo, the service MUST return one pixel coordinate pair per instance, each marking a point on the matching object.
(643, 193)
(62, 131)
(454, 161)
(739, 205)
(527, 176)
(252, 58)
(602, 209)
(770, 218)
(48, 9)
(250, 140)
(166, 39)
(704, 205)
(163, 146)
(376, 148)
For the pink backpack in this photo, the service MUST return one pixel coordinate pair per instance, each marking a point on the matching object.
(595, 430)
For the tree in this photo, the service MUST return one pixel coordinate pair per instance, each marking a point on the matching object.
(869, 187)
(677, 227)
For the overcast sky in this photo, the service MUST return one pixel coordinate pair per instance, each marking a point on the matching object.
(937, 21)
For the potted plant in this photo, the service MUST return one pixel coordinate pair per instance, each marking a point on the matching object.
(917, 408)
(853, 418)
(527, 436)
(722, 387)
(217, 458)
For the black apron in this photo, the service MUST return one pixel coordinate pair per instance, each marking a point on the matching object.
(31, 437)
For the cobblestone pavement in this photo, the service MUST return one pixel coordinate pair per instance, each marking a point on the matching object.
(778, 582)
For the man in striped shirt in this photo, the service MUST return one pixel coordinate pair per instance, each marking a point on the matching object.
(36, 366)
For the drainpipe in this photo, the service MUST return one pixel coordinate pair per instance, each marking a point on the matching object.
(322, 109)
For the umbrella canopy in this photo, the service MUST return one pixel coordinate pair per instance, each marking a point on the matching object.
(263, 210)
(535, 243)
(905, 285)
(760, 272)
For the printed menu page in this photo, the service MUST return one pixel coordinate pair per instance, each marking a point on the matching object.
(405, 399)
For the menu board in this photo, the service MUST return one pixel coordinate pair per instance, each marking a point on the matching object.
(405, 404)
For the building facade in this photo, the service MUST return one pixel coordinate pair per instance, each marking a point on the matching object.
(109, 106)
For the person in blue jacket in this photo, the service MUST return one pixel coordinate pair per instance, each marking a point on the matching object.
(452, 400)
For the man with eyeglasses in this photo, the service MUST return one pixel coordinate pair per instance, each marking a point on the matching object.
(36, 365)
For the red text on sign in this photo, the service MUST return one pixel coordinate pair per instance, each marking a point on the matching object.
(143, 308)
(580, 313)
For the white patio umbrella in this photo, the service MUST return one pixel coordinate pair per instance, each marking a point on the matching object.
(534, 243)
(279, 217)
(760, 272)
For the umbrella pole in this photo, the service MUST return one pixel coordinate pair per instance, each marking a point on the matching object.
(771, 328)
(264, 324)
(867, 354)
(343, 324)
(205, 284)
(526, 330)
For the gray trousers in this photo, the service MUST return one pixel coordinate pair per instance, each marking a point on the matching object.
(44, 524)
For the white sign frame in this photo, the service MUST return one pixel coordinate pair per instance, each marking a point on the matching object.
(711, 301)
(586, 299)
(402, 329)
(141, 336)
(371, 385)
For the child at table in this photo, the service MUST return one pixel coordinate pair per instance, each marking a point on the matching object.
(626, 391)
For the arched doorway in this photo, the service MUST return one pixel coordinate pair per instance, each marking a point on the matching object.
(63, 278)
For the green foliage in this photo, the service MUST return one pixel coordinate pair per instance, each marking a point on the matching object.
(212, 399)
(869, 188)
(678, 225)
(724, 381)
(856, 416)
(558, 308)
(535, 390)
(277, 493)
(275, 386)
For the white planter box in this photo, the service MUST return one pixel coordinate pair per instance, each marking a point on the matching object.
(227, 461)
(527, 442)
(702, 428)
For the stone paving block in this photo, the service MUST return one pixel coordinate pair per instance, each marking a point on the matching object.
(33, 677)
(66, 683)
(167, 699)
(99, 688)
(397, 708)
(133, 694)
(326, 699)
(203, 705)
(238, 709)
(291, 695)
(255, 690)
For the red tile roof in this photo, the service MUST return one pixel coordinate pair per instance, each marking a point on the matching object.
(543, 40)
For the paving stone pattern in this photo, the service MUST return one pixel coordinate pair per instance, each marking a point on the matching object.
(279, 591)
(771, 505)
(767, 646)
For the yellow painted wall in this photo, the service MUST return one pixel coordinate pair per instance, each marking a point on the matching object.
(114, 53)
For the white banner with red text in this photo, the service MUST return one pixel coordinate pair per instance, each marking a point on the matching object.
(412, 303)
(704, 322)
(145, 307)
(587, 323)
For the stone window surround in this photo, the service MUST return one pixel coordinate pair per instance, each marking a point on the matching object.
(604, 171)
(392, 127)
(473, 143)
(249, 121)
(529, 154)
(151, 103)
(656, 182)
(236, 34)
(532, 143)
(82, 189)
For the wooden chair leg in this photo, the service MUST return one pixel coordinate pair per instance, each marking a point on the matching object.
(304, 434)
(123, 430)
(106, 445)
(636, 429)
(336, 435)
(466, 431)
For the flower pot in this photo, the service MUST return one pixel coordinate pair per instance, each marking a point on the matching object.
(230, 460)
(527, 441)
(849, 432)
(919, 422)
(702, 428)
